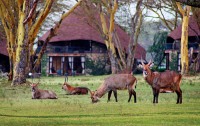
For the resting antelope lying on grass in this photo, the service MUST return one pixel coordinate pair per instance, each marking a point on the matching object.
(42, 94)
(162, 82)
(114, 83)
(75, 90)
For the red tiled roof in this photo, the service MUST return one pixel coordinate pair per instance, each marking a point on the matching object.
(193, 30)
(76, 27)
(3, 47)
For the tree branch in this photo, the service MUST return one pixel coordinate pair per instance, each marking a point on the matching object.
(30, 15)
(36, 26)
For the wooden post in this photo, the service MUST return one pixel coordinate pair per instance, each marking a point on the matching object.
(167, 61)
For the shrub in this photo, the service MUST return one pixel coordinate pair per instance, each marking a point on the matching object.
(44, 65)
(99, 66)
(174, 62)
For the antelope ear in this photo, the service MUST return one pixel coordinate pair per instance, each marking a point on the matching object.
(142, 62)
(149, 63)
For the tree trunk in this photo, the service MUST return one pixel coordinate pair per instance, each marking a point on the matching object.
(10, 75)
(113, 62)
(21, 33)
(184, 39)
(184, 46)
(19, 70)
(108, 34)
(136, 23)
(21, 53)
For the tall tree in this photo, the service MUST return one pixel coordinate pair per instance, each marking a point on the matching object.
(184, 38)
(21, 23)
(106, 26)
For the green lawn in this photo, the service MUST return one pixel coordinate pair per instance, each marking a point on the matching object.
(17, 107)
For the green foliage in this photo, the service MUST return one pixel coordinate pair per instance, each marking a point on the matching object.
(158, 47)
(155, 68)
(18, 109)
(97, 67)
(174, 62)
(44, 64)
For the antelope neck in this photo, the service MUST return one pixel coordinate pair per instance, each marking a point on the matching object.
(148, 78)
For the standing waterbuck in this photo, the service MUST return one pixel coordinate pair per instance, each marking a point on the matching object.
(42, 94)
(114, 83)
(162, 82)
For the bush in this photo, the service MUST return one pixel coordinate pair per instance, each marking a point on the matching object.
(97, 67)
(44, 65)
(174, 62)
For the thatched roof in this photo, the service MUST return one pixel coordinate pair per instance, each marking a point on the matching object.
(77, 27)
(193, 30)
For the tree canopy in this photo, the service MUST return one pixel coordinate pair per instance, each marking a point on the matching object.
(158, 47)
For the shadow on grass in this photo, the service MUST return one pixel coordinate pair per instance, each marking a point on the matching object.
(103, 115)
(71, 116)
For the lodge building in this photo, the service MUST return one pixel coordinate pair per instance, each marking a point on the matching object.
(75, 40)
(173, 43)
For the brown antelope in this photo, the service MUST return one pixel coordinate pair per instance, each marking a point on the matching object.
(162, 82)
(114, 83)
(42, 94)
(75, 90)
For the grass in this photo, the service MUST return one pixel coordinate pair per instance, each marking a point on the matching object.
(17, 107)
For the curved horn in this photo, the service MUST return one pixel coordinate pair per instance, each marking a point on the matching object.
(90, 92)
(150, 62)
(142, 61)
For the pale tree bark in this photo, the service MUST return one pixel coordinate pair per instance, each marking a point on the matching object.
(184, 38)
(21, 32)
(106, 27)
(20, 63)
(124, 64)
(102, 25)
(22, 42)
(108, 34)
(9, 25)
(136, 23)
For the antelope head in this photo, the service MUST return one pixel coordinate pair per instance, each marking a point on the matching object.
(65, 83)
(146, 68)
(94, 96)
(34, 87)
